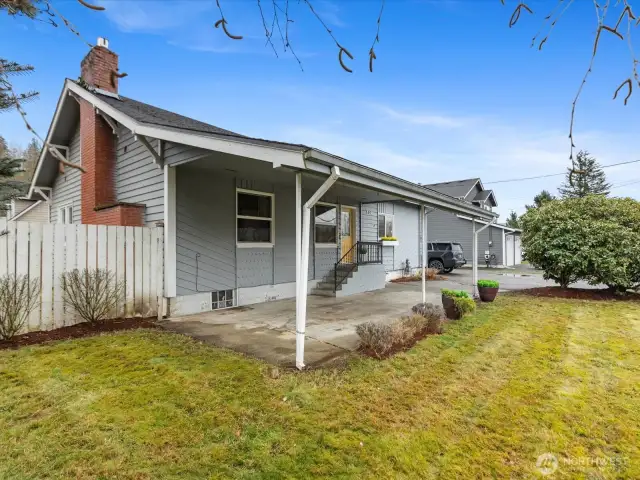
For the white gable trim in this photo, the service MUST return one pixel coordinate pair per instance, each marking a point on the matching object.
(472, 187)
(213, 142)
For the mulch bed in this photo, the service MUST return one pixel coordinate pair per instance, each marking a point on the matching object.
(76, 331)
(397, 348)
(577, 293)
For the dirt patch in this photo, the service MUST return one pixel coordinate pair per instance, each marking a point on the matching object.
(577, 293)
(397, 348)
(76, 331)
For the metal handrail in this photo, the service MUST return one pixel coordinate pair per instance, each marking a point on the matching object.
(361, 253)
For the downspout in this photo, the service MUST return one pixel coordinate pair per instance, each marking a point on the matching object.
(474, 278)
(301, 299)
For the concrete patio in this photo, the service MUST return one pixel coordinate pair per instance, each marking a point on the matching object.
(267, 330)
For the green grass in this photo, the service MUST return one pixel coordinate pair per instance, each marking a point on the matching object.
(521, 377)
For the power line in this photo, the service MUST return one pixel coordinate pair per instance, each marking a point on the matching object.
(625, 184)
(555, 174)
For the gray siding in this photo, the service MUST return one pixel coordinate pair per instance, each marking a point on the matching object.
(137, 178)
(205, 226)
(406, 218)
(66, 187)
(449, 227)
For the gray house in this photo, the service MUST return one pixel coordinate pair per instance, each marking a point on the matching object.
(243, 217)
(499, 240)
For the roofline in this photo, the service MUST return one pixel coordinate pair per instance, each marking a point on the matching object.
(52, 127)
(411, 191)
(473, 186)
(279, 155)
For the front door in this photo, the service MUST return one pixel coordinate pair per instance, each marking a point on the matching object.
(348, 231)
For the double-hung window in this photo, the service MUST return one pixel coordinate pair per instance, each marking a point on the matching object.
(326, 224)
(254, 218)
(385, 225)
(65, 214)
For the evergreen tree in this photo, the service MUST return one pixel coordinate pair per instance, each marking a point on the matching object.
(512, 220)
(543, 197)
(7, 98)
(587, 178)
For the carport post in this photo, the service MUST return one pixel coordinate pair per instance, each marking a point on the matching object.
(298, 231)
(425, 253)
(474, 277)
(301, 293)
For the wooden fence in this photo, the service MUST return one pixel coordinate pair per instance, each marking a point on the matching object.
(45, 251)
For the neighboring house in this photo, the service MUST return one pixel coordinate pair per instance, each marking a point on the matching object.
(498, 240)
(25, 210)
(232, 206)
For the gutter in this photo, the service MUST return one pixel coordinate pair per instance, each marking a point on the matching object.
(433, 197)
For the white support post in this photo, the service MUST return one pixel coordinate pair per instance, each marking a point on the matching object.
(169, 232)
(425, 253)
(298, 238)
(301, 291)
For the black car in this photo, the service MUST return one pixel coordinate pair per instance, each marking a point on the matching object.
(445, 256)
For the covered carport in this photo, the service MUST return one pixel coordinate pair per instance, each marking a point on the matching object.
(337, 170)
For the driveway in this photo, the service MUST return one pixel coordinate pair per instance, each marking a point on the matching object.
(267, 330)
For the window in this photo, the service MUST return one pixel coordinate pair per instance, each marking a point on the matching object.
(326, 224)
(385, 225)
(65, 214)
(221, 299)
(445, 247)
(254, 218)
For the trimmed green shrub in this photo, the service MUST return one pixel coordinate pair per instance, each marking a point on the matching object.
(464, 305)
(454, 293)
(488, 284)
(594, 238)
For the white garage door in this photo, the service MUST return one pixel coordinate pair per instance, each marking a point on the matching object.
(510, 252)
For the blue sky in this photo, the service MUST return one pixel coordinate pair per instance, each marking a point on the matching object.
(455, 93)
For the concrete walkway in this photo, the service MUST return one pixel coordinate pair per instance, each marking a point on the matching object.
(267, 330)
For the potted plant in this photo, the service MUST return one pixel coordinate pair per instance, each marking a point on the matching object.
(457, 303)
(488, 289)
(389, 241)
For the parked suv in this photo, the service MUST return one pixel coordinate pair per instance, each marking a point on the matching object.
(445, 256)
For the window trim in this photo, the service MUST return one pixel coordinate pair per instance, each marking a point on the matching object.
(321, 244)
(65, 207)
(257, 193)
(393, 224)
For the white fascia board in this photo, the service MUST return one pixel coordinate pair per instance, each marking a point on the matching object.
(52, 127)
(243, 148)
(388, 187)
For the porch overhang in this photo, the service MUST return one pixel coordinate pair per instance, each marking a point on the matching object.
(320, 162)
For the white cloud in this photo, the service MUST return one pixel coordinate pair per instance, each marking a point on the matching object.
(153, 16)
(413, 118)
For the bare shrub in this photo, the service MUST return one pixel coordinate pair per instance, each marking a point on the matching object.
(18, 298)
(380, 337)
(93, 294)
(433, 316)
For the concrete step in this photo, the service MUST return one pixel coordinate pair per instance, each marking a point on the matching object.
(327, 285)
(323, 293)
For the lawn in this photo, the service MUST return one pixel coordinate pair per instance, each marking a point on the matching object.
(523, 377)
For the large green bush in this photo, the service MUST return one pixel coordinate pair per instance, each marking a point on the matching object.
(595, 238)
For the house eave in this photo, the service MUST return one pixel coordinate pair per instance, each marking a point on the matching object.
(320, 162)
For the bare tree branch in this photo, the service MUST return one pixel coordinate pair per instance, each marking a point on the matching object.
(372, 53)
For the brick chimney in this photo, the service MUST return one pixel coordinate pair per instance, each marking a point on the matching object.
(100, 66)
(98, 148)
